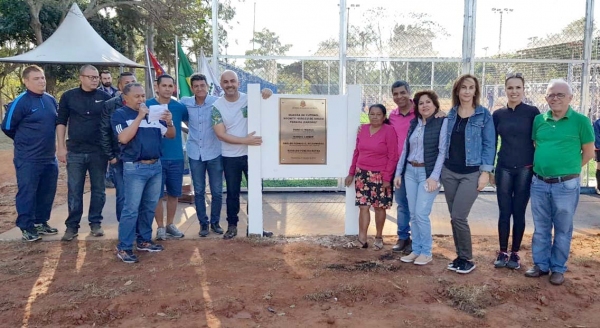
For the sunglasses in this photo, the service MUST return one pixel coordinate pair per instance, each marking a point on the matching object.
(513, 75)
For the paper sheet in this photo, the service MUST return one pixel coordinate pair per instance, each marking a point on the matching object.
(156, 111)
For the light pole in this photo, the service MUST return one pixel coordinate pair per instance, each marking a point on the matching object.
(254, 26)
(501, 11)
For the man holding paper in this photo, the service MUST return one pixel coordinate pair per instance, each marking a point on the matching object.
(172, 154)
(140, 141)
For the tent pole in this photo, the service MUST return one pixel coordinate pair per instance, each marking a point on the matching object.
(177, 66)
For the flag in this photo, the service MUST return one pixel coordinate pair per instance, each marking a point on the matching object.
(214, 88)
(184, 71)
(157, 68)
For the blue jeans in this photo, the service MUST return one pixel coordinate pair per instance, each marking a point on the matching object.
(420, 202)
(37, 186)
(214, 167)
(142, 192)
(553, 206)
(116, 174)
(403, 217)
(78, 164)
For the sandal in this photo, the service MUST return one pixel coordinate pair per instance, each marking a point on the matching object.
(357, 244)
(378, 244)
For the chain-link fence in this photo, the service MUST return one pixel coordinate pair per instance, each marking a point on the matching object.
(429, 44)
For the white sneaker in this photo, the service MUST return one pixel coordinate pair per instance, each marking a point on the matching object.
(422, 260)
(172, 231)
(161, 234)
(409, 258)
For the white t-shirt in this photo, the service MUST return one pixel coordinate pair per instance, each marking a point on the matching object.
(234, 115)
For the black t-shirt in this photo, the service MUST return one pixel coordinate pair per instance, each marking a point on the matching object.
(514, 127)
(457, 155)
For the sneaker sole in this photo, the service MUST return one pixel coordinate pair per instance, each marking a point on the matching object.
(423, 263)
(229, 236)
(407, 261)
(47, 233)
(451, 267)
(175, 236)
(149, 250)
(514, 268)
(203, 235)
(466, 271)
(498, 266)
(96, 234)
(31, 240)
(217, 232)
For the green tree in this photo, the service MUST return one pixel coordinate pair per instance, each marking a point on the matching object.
(267, 43)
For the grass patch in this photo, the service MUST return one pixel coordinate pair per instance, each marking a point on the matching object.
(471, 299)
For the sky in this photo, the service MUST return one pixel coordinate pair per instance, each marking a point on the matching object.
(304, 23)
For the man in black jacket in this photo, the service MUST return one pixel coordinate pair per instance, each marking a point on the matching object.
(81, 108)
(109, 142)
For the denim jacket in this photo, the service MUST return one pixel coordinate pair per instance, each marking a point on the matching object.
(480, 138)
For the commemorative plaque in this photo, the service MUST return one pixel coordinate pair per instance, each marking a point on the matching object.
(302, 131)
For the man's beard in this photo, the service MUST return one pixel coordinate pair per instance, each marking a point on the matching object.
(106, 85)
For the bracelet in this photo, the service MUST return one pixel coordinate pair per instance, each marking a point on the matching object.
(170, 124)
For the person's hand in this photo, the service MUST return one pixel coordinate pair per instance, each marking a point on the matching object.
(252, 140)
(358, 130)
(440, 114)
(61, 153)
(349, 180)
(143, 111)
(431, 185)
(397, 182)
(492, 180)
(484, 179)
(167, 116)
(387, 187)
(113, 161)
(266, 93)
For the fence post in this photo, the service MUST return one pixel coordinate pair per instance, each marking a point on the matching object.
(585, 71)
(215, 36)
(468, 45)
(343, 47)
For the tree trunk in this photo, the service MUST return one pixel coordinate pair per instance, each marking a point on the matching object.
(34, 9)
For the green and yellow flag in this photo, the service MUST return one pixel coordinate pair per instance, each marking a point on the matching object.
(184, 72)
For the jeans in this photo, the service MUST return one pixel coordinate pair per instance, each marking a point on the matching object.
(78, 164)
(553, 206)
(233, 167)
(37, 187)
(512, 191)
(461, 192)
(116, 173)
(403, 216)
(142, 192)
(214, 167)
(420, 202)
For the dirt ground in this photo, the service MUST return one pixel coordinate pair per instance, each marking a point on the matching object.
(294, 282)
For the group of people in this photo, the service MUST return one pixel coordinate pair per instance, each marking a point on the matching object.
(143, 153)
(419, 148)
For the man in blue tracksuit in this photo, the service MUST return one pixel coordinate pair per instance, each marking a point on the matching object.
(31, 122)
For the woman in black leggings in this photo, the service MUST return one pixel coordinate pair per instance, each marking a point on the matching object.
(514, 125)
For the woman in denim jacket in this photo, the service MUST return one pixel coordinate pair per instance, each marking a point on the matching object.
(470, 153)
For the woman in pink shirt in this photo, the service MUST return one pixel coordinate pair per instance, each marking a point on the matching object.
(373, 164)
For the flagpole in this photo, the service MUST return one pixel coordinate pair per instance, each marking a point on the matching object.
(149, 70)
(177, 65)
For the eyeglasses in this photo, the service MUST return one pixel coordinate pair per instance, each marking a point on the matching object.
(92, 77)
(555, 95)
(513, 75)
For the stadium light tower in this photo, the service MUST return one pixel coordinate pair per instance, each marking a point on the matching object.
(501, 11)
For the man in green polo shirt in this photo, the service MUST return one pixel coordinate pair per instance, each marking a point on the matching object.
(564, 142)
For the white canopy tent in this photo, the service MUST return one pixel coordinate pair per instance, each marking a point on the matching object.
(74, 42)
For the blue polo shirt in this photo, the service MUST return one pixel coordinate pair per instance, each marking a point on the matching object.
(172, 149)
(146, 143)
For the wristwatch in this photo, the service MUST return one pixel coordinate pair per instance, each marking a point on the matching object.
(170, 123)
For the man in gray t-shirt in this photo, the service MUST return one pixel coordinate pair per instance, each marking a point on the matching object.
(230, 122)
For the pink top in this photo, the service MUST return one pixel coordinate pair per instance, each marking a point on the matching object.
(401, 123)
(377, 152)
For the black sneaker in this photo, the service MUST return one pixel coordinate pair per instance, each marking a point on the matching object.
(30, 235)
(403, 246)
(231, 232)
(70, 234)
(149, 246)
(96, 230)
(514, 262)
(216, 228)
(204, 230)
(452, 266)
(267, 233)
(127, 256)
(465, 267)
(501, 260)
(45, 229)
